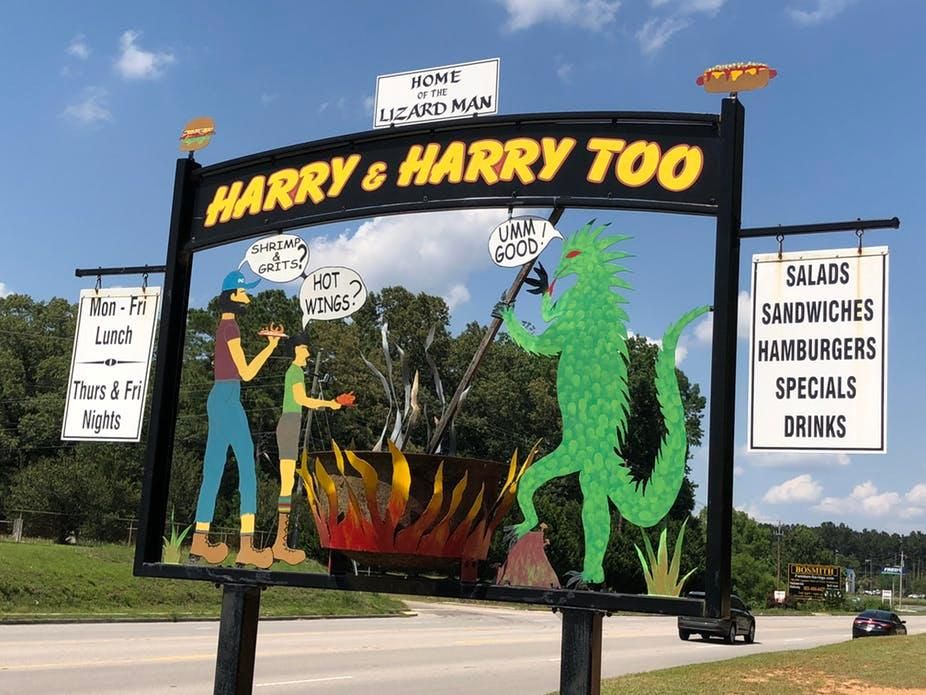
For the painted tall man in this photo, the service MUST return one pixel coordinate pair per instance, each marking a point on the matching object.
(294, 400)
(229, 428)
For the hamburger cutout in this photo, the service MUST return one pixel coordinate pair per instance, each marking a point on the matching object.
(197, 134)
(736, 77)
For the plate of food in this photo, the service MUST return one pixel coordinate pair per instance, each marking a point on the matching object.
(273, 331)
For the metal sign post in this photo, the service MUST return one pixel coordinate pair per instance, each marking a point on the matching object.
(234, 663)
(580, 652)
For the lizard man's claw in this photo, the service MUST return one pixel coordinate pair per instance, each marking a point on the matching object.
(500, 308)
(512, 535)
(540, 283)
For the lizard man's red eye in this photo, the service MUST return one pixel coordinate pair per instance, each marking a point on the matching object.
(573, 254)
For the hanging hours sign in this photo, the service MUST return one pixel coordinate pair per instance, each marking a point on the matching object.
(110, 363)
(818, 351)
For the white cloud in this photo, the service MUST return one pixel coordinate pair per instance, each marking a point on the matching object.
(917, 494)
(268, 98)
(821, 11)
(323, 107)
(802, 488)
(780, 459)
(456, 295)
(588, 14)
(78, 47)
(4, 290)
(655, 33)
(753, 512)
(691, 6)
(426, 252)
(865, 500)
(91, 109)
(704, 331)
(134, 63)
(564, 71)
(368, 103)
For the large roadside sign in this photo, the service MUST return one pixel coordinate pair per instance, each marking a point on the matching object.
(814, 581)
(436, 94)
(818, 351)
(110, 364)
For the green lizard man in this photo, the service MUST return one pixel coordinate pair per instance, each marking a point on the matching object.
(586, 328)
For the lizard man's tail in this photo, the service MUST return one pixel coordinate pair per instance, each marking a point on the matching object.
(666, 480)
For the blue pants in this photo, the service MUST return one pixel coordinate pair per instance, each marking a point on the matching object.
(228, 427)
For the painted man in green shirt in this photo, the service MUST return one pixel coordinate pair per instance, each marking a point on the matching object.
(294, 400)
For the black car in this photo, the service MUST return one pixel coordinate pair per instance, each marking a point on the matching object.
(873, 623)
(740, 622)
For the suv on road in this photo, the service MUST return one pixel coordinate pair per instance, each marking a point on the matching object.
(740, 622)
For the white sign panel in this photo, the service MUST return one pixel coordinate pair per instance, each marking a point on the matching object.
(109, 364)
(818, 351)
(436, 94)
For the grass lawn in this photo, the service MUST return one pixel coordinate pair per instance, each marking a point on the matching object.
(874, 664)
(45, 581)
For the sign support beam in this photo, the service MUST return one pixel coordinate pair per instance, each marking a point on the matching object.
(723, 364)
(121, 270)
(234, 664)
(822, 227)
(165, 399)
(580, 652)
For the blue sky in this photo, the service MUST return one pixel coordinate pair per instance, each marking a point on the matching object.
(97, 95)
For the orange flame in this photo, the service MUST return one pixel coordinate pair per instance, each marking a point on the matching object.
(364, 526)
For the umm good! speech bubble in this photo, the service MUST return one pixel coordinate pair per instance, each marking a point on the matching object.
(519, 240)
(278, 258)
(331, 293)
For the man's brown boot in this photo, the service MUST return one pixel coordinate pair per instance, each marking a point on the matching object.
(213, 553)
(282, 551)
(249, 555)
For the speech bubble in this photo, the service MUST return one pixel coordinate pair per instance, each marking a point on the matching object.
(278, 258)
(519, 240)
(331, 293)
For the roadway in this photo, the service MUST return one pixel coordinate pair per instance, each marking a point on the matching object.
(445, 648)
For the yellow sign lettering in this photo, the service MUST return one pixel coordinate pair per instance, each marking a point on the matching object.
(554, 155)
(604, 149)
(520, 155)
(223, 204)
(251, 200)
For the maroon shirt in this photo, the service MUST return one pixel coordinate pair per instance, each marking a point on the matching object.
(225, 369)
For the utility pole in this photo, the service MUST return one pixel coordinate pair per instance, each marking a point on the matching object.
(900, 596)
(778, 533)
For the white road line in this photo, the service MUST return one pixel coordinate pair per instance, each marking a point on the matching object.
(307, 680)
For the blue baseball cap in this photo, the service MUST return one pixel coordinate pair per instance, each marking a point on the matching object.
(235, 280)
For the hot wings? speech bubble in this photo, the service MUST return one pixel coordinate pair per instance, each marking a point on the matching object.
(519, 240)
(331, 293)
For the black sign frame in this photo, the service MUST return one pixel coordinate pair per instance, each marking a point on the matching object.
(719, 197)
